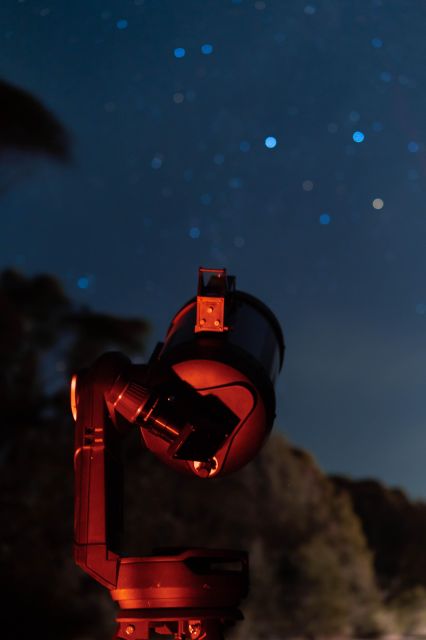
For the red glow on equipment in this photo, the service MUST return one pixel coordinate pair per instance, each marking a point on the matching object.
(204, 404)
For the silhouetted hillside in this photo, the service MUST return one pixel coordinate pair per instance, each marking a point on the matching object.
(395, 528)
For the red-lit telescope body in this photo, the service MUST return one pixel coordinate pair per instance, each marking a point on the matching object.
(239, 364)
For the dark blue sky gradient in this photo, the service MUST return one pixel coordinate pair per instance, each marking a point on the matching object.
(171, 172)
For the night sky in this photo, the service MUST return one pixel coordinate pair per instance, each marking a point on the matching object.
(282, 140)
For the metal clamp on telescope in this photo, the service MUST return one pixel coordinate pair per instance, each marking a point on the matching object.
(204, 405)
(211, 299)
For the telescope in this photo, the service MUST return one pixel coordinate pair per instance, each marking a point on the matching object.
(204, 404)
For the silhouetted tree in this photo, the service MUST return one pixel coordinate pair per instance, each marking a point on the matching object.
(29, 132)
(395, 528)
(43, 335)
(28, 126)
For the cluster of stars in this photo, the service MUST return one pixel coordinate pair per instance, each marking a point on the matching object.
(325, 218)
(194, 233)
(206, 49)
(270, 141)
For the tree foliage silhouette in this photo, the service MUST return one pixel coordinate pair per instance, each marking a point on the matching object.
(43, 337)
